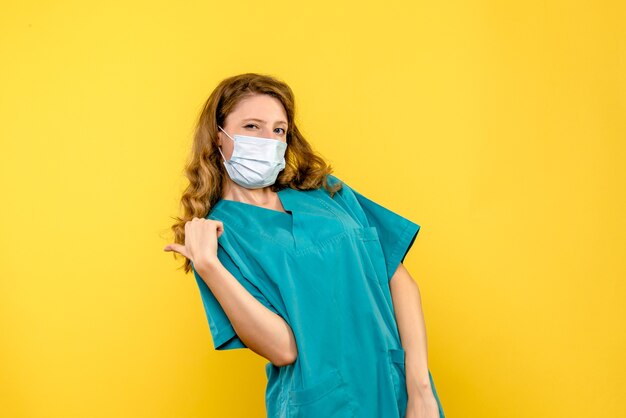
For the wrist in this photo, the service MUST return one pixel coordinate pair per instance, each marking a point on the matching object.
(417, 374)
(418, 381)
(418, 389)
(207, 265)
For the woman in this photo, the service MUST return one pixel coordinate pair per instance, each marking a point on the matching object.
(299, 267)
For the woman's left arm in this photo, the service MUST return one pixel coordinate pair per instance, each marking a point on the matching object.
(411, 326)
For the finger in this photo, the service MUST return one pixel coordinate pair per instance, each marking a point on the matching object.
(176, 247)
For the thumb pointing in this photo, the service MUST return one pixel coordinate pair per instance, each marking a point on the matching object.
(175, 247)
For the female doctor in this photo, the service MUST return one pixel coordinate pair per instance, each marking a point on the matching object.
(297, 266)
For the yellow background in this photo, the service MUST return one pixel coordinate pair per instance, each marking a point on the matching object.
(499, 127)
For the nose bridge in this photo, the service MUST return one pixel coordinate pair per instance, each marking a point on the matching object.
(269, 134)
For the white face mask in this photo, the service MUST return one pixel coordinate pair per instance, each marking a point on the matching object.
(255, 161)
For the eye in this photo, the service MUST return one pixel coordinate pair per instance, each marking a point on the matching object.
(282, 130)
(250, 124)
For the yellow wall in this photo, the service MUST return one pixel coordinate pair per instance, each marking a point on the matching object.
(498, 127)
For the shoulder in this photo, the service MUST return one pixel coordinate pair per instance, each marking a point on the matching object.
(333, 180)
(341, 188)
(344, 191)
(346, 198)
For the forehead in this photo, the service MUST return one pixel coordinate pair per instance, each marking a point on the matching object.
(261, 107)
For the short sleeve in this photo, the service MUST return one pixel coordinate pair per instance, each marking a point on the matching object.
(222, 331)
(396, 233)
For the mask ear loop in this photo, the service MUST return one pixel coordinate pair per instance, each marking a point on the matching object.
(219, 148)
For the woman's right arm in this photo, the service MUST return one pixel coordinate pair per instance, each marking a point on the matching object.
(260, 329)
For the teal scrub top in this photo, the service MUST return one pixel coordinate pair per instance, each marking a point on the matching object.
(325, 269)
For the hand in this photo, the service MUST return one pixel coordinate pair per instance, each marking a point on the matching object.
(200, 240)
(422, 405)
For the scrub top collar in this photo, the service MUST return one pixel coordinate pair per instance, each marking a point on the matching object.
(294, 221)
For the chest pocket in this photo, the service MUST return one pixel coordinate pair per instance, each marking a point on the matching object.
(368, 235)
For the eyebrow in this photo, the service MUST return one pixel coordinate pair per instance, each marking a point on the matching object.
(262, 121)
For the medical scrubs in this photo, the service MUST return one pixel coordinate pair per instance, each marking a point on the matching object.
(325, 268)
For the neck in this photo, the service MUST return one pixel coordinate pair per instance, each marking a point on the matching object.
(263, 196)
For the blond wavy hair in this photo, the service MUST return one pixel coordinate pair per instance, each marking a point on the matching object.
(304, 168)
